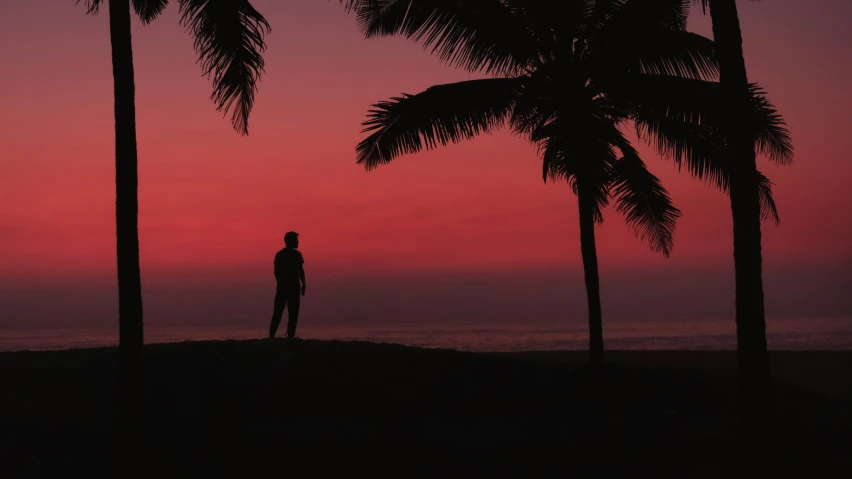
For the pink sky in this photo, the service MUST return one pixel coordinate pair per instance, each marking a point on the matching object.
(469, 230)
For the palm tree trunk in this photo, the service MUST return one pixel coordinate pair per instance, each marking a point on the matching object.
(752, 355)
(590, 268)
(130, 378)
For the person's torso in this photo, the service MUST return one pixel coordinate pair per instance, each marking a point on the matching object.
(288, 262)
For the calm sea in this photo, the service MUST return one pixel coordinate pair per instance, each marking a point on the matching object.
(783, 334)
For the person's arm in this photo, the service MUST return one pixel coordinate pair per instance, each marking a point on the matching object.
(302, 277)
(275, 268)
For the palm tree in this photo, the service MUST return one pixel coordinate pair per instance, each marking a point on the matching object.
(568, 77)
(229, 41)
(553, 83)
(752, 355)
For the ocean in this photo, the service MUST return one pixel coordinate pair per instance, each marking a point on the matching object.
(782, 334)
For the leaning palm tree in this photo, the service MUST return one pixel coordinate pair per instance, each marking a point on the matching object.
(229, 41)
(568, 77)
(752, 355)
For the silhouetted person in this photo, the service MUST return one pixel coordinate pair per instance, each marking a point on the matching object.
(290, 276)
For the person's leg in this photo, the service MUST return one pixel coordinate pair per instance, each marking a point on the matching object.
(293, 313)
(277, 311)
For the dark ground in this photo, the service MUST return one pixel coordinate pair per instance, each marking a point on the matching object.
(275, 408)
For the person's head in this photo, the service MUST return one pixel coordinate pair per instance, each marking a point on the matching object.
(291, 239)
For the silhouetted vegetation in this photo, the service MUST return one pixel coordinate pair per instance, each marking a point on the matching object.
(229, 41)
(569, 76)
(744, 191)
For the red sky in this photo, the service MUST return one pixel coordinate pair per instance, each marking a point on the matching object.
(462, 233)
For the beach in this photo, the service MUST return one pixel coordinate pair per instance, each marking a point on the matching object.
(255, 407)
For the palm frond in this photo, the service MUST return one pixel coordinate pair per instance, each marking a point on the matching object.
(472, 34)
(552, 23)
(768, 210)
(92, 6)
(686, 99)
(699, 102)
(350, 5)
(555, 163)
(667, 52)
(645, 203)
(705, 3)
(148, 10)
(440, 115)
(598, 13)
(649, 36)
(582, 149)
(619, 17)
(229, 40)
(599, 192)
(772, 138)
(680, 117)
(535, 107)
(701, 150)
(582, 155)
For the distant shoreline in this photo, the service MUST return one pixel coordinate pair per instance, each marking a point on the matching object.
(825, 334)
